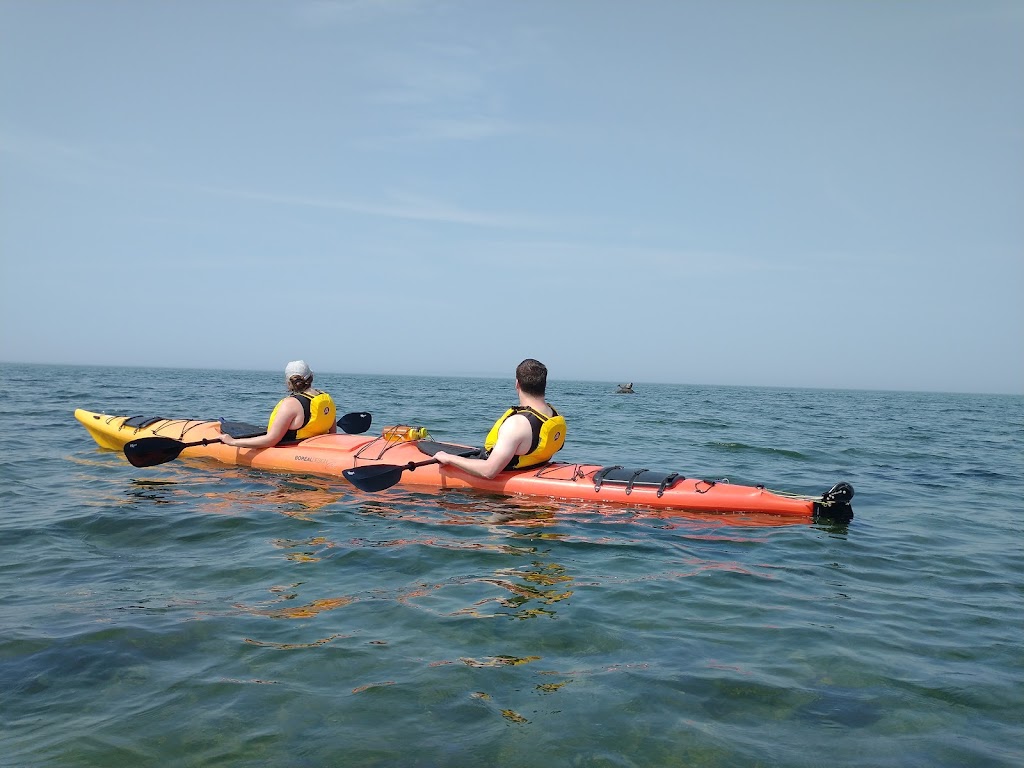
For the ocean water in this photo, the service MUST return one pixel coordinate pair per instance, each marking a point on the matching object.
(195, 615)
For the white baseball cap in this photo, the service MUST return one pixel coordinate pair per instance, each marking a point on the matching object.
(297, 368)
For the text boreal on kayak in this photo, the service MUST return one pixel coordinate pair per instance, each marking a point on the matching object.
(399, 456)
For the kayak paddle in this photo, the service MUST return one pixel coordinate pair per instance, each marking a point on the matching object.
(150, 451)
(381, 476)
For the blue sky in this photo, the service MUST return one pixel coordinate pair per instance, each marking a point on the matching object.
(806, 194)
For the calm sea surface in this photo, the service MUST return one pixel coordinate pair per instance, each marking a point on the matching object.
(195, 615)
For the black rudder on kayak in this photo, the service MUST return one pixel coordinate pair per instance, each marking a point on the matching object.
(835, 504)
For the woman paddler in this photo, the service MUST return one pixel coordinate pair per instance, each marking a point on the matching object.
(304, 413)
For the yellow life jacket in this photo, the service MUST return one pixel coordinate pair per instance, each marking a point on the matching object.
(548, 436)
(319, 414)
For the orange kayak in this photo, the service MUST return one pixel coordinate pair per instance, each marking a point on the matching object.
(330, 455)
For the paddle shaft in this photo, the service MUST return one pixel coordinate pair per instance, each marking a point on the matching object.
(205, 441)
(413, 464)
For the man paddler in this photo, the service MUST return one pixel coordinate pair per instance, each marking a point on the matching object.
(526, 435)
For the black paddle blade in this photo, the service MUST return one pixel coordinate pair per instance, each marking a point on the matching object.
(355, 423)
(373, 479)
(150, 451)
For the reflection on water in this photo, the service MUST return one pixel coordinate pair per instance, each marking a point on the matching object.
(294, 646)
(514, 529)
(313, 547)
(542, 574)
(499, 661)
(236, 491)
(151, 491)
(371, 686)
(461, 507)
(306, 611)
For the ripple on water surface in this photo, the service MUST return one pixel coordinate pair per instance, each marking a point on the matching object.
(194, 615)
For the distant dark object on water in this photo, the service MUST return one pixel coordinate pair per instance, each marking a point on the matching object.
(625, 389)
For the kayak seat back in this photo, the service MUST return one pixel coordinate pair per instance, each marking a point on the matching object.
(430, 447)
(635, 478)
(240, 429)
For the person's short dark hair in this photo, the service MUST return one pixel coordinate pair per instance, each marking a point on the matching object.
(532, 376)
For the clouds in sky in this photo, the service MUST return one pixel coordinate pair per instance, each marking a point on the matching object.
(764, 182)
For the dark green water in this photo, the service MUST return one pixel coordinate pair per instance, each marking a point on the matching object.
(196, 615)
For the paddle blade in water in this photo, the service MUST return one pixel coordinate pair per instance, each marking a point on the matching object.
(150, 451)
(372, 479)
(355, 423)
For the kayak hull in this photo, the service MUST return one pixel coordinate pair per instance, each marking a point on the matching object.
(330, 455)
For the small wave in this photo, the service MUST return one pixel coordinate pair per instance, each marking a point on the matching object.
(983, 474)
(756, 449)
(703, 424)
